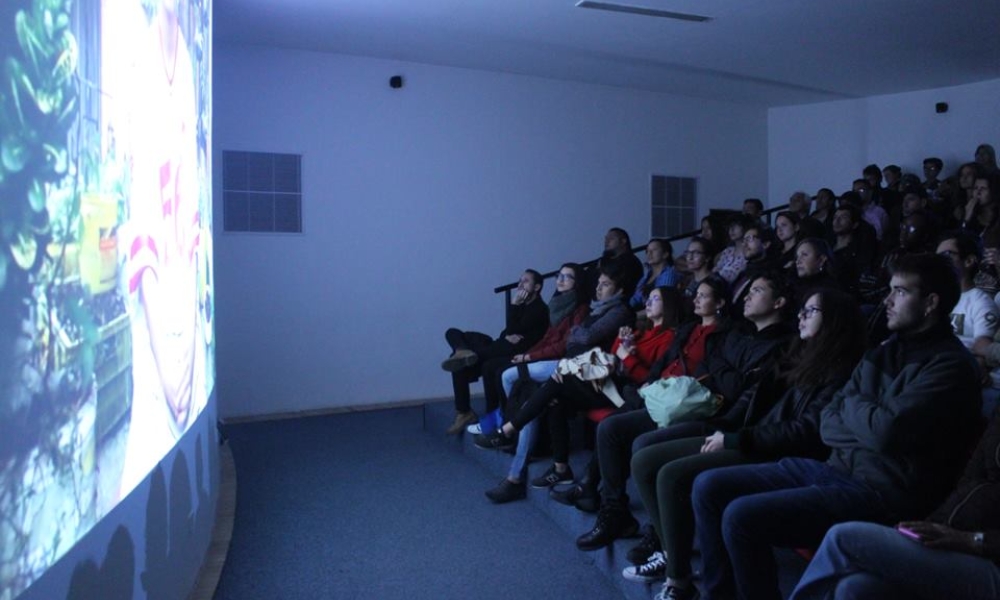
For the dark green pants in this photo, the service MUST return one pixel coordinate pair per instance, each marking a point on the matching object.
(664, 474)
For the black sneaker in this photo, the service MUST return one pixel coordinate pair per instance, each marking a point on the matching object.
(567, 495)
(507, 491)
(551, 477)
(649, 544)
(583, 497)
(494, 440)
(653, 570)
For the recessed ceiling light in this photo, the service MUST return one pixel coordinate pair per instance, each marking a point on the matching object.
(641, 10)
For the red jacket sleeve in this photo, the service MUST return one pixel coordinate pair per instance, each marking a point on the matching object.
(553, 343)
(649, 346)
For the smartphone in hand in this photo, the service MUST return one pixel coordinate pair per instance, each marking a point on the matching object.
(909, 533)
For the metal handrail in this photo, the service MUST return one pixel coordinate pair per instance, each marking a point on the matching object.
(507, 288)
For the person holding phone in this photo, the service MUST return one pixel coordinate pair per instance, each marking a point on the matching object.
(954, 552)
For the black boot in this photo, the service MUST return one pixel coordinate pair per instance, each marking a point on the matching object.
(613, 522)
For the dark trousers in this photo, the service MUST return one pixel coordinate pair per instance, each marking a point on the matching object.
(742, 512)
(562, 401)
(487, 349)
(618, 436)
(492, 371)
(574, 396)
(664, 474)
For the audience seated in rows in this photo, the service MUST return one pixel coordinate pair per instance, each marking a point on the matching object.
(726, 356)
(899, 433)
(636, 351)
(776, 418)
(567, 309)
(608, 314)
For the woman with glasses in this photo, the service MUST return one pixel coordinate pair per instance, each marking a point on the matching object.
(778, 418)
(567, 309)
(698, 265)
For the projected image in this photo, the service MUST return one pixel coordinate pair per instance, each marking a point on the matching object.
(106, 297)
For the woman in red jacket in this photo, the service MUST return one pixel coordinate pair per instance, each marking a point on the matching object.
(636, 353)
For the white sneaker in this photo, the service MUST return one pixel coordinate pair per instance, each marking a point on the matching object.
(654, 569)
(474, 429)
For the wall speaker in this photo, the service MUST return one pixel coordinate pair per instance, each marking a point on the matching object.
(941, 107)
(396, 82)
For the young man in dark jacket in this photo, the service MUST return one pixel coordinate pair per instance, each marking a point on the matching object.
(527, 320)
(898, 433)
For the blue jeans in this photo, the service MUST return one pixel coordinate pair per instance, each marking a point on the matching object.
(741, 512)
(866, 561)
(539, 371)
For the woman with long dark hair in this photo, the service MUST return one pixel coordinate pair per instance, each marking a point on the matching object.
(779, 418)
(786, 229)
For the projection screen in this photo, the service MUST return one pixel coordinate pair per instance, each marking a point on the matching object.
(106, 281)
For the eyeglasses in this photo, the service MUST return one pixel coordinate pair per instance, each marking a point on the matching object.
(564, 277)
(807, 312)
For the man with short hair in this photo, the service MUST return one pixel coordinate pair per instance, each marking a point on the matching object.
(932, 168)
(899, 434)
(757, 244)
(870, 210)
(892, 174)
(825, 207)
(753, 208)
(618, 255)
(914, 200)
(798, 203)
(527, 320)
(975, 318)
(853, 235)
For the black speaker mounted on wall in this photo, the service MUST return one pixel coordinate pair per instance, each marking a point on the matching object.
(396, 82)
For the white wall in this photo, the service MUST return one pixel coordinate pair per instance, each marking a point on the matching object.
(827, 145)
(417, 202)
